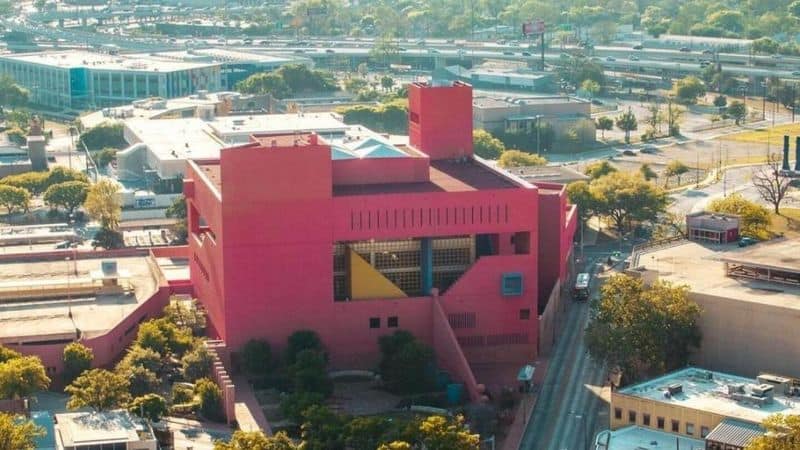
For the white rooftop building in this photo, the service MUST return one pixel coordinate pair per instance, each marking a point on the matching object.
(113, 430)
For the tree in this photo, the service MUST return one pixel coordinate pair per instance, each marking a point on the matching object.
(688, 89)
(14, 198)
(105, 135)
(771, 184)
(256, 357)
(647, 172)
(256, 440)
(33, 182)
(675, 168)
(22, 376)
(68, 195)
(624, 198)
(783, 430)
(142, 357)
(141, 380)
(12, 94)
(103, 203)
(591, 87)
(164, 337)
(387, 83)
(737, 110)
(77, 359)
(322, 429)
(765, 45)
(579, 194)
(108, 239)
(293, 405)
(754, 217)
(302, 340)
(604, 124)
(441, 433)
(643, 330)
(6, 354)
(366, 432)
(16, 434)
(599, 169)
(517, 158)
(406, 363)
(308, 373)
(104, 157)
(674, 113)
(395, 445)
(720, 101)
(98, 389)
(627, 123)
(149, 406)
(186, 314)
(794, 8)
(265, 83)
(485, 145)
(210, 396)
(197, 363)
(727, 20)
(177, 210)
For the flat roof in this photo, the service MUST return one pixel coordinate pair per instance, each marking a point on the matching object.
(638, 438)
(102, 61)
(549, 174)
(701, 267)
(177, 139)
(224, 55)
(504, 102)
(41, 320)
(779, 254)
(95, 428)
(324, 123)
(445, 176)
(703, 394)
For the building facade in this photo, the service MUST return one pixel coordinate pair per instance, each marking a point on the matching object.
(290, 232)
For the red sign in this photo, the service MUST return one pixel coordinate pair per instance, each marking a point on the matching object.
(533, 27)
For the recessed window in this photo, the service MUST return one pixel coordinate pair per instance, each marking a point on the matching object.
(676, 426)
(524, 314)
(512, 284)
(618, 413)
(392, 322)
(631, 416)
(690, 429)
(374, 322)
(646, 420)
(703, 431)
(660, 422)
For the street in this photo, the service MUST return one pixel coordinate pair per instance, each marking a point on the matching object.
(570, 410)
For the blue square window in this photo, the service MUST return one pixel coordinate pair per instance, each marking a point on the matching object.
(512, 284)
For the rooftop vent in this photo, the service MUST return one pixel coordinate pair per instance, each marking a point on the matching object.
(675, 388)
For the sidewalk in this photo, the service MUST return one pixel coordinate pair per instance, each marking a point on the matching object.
(525, 408)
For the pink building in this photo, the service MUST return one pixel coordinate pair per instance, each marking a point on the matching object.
(358, 237)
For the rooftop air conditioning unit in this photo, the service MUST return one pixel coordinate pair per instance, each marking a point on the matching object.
(761, 390)
(675, 388)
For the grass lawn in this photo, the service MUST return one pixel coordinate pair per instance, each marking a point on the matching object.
(760, 135)
(788, 222)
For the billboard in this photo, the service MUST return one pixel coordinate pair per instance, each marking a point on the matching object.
(533, 27)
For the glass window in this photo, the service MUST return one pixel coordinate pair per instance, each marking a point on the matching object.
(618, 413)
(690, 429)
(646, 420)
(703, 431)
(660, 423)
(392, 322)
(525, 314)
(512, 284)
(676, 426)
(631, 416)
(374, 322)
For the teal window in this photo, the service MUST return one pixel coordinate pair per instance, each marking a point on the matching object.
(512, 284)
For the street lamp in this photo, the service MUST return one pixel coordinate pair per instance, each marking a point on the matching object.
(69, 289)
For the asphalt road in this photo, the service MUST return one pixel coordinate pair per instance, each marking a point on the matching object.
(569, 406)
(736, 180)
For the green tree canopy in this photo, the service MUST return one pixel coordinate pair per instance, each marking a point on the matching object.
(322, 429)
(197, 363)
(103, 203)
(783, 433)
(77, 359)
(302, 340)
(17, 433)
(13, 198)
(604, 124)
(406, 363)
(737, 110)
(647, 172)
(675, 168)
(643, 330)
(256, 440)
(625, 198)
(517, 158)
(256, 357)
(21, 376)
(688, 89)
(627, 123)
(442, 433)
(11, 93)
(755, 218)
(485, 145)
(68, 195)
(149, 406)
(98, 389)
(599, 169)
(104, 135)
(210, 396)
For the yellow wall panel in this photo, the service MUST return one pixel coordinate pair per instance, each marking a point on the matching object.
(366, 282)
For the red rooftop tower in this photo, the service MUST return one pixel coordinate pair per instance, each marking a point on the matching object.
(440, 119)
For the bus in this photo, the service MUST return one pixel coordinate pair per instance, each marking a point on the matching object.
(581, 291)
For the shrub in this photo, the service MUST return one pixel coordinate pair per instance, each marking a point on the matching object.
(181, 393)
(197, 363)
(256, 357)
(210, 396)
(302, 340)
(406, 364)
(77, 359)
(293, 405)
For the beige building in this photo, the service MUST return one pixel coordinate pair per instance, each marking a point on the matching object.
(750, 299)
(112, 430)
(564, 114)
(724, 410)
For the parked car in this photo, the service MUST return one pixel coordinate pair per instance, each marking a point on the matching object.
(633, 58)
(629, 153)
(796, 73)
(685, 49)
(746, 241)
(638, 47)
(649, 149)
(610, 59)
(508, 53)
(526, 54)
(64, 244)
